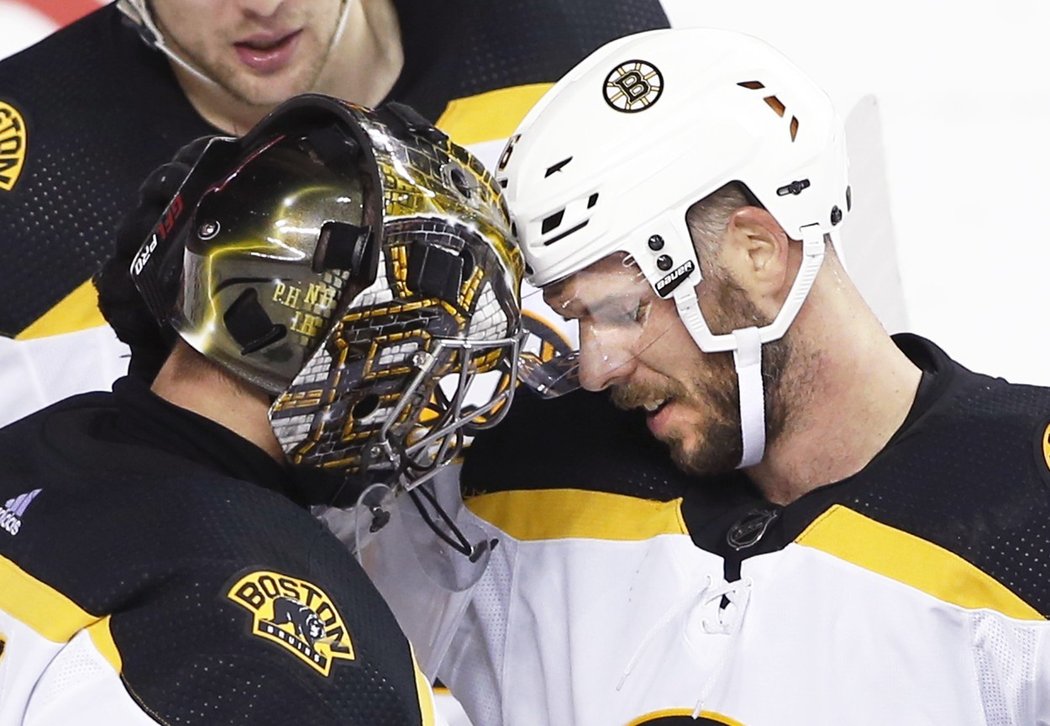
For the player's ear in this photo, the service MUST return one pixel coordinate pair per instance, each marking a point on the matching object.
(756, 253)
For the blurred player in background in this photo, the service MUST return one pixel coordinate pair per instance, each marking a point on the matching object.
(158, 560)
(895, 568)
(95, 107)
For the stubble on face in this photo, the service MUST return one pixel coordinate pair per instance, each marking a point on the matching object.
(712, 444)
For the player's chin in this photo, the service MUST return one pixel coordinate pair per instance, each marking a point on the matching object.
(713, 454)
(270, 90)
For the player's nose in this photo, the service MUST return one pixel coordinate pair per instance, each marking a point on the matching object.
(260, 8)
(602, 365)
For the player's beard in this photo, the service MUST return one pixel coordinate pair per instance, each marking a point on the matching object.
(715, 390)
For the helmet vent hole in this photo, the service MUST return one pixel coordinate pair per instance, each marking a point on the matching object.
(794, 127)
(592, 200)
(437, 272)
(776, 104)
(566, 233)
(753, 85)
(248, 323)
(341, 246)
(553, 221)
(365, 406)
(554, 168)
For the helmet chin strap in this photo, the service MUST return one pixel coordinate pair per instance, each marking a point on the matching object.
(340, 26)
(139, 14)
(746, 343)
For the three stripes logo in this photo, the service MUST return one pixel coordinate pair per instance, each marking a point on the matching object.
(14, 509)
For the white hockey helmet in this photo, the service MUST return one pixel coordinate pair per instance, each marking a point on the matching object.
(614, 155)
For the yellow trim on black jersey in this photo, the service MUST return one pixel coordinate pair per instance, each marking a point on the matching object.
(544, 514)
(102, 637)
(1046, 446)
(489, 116)
(911, 560)
(425, 695)
(76, 311)
(50, 613)
(710, 716)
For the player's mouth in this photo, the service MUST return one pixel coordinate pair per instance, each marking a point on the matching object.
(268, 53)
(655, 415)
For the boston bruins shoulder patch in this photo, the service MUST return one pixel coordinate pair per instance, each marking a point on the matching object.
(13, 140)
(296, 615)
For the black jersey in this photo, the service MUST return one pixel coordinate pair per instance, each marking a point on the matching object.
(153, 565)
(968, 471)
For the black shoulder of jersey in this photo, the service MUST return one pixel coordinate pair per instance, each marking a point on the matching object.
(969, 471)
(98, 111)
(459, 48)
(225, 599)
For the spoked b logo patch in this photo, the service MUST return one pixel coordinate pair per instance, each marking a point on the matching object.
(633, 86)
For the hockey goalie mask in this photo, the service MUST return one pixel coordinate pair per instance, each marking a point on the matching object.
(613, 156)
(359, 267)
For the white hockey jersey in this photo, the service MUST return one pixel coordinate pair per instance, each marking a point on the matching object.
(915, 592)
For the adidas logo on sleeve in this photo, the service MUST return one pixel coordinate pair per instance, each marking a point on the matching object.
(13, 510)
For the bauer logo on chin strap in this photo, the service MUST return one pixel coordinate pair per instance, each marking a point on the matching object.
(296, 615)
(633, 86)
(12, 146)
(667, 284)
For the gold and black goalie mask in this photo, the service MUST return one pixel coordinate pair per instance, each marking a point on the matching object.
(359, 267)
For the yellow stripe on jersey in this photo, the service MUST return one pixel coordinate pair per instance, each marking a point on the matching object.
(102, 637)
(50, 613)
(545, 514)
(911, 560)
(76, 311)
(425, 695)
(711, 716)
(1046, 447)
(489, 116)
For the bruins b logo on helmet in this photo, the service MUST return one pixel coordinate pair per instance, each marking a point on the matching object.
(633, 86)
(295, 614)
(12, 146)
